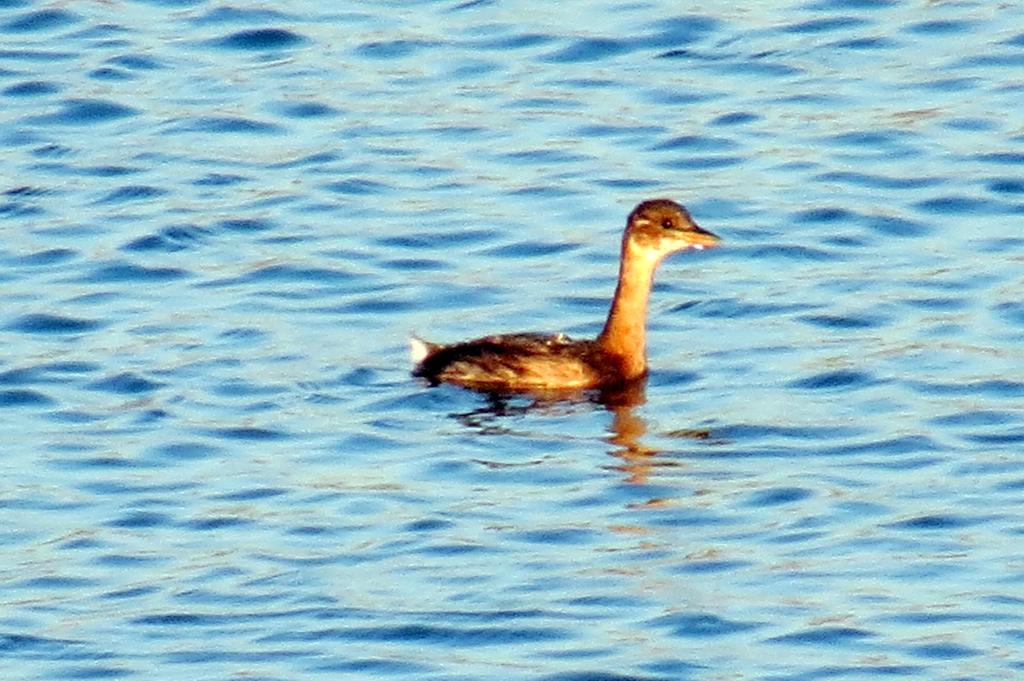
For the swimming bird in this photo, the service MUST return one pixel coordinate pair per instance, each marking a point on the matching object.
(524, 362)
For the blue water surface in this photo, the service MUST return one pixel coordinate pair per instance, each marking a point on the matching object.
(221, 222)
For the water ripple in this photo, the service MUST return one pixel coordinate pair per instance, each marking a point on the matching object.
(394, 49)
(169, 239)
(935, 522)
(50, 324)
(830, 636)
(681, 30)
(132, 193)
(142, 520)
(226, 125)
(24, 398)
(260, 39)
(701, 625)
(136, 62)
(835, 380)
(40, 20)
(589, 49)
(120, 272)
(250, 433)
(31, 88)
(86, 112)
(125, 383)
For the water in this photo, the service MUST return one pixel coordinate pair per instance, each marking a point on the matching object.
(220, 223)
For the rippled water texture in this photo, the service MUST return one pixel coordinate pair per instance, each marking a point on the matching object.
(221, 221)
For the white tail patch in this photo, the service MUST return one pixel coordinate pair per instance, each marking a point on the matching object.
(419, 349)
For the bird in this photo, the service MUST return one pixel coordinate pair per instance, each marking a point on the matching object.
(527, 362)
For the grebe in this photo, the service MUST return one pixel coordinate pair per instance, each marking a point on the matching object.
(532, 361)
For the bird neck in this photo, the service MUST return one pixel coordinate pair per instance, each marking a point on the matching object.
(625, 332)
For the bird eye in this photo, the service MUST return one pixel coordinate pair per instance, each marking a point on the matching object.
(666, 223)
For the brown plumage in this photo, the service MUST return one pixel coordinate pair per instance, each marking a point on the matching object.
(531, 361)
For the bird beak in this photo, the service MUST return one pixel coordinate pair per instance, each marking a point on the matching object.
(699, 238)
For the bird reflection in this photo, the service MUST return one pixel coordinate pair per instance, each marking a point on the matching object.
(626, 433)
(636, 460)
